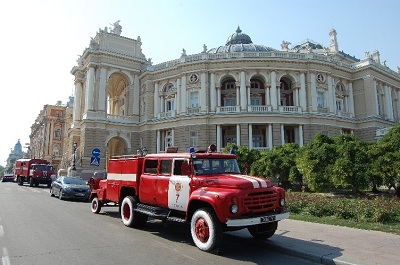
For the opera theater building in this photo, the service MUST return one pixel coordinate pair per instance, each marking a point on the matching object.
(240, 92)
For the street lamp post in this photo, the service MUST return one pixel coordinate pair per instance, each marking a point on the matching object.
(74, 161)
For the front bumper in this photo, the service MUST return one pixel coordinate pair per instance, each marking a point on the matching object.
(262, 219)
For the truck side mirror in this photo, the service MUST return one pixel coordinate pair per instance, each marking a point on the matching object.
(185, 169)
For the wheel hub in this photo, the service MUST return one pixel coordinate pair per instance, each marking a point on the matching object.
(202, 230)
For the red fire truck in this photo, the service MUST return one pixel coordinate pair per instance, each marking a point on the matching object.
(204, 189)
(34, 171)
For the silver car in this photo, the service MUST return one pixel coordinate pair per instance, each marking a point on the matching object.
(70, 188)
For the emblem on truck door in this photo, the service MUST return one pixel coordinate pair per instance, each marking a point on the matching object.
(178, 192)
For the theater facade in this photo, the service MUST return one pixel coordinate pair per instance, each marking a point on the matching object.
(240, 92)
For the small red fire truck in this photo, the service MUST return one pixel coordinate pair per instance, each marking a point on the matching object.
(34, 171)
(204, 189)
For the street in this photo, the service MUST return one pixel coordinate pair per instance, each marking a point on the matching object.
(38, 229)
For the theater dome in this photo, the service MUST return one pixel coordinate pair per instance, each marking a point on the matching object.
(240, 42)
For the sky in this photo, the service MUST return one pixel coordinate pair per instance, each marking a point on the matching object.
(42, 39)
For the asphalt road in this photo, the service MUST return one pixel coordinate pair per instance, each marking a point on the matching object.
(38, 229)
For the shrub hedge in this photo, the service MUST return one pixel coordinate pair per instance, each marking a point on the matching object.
(377, 209)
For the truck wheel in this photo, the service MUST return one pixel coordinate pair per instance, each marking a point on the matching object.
(263, 231)
(20, 181)
(31, 182)
(96, 205)
(36, 184)
(128, 215)
(206, 229)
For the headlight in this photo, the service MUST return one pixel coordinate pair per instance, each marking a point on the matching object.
(234, 208)
(282, 202)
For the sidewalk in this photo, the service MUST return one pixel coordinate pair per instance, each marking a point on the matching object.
(327, 244)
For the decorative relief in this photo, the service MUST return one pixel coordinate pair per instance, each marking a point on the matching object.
(194, 78)
(320, 78)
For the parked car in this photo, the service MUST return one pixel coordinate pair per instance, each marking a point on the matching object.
(70, 188)
(7, 177)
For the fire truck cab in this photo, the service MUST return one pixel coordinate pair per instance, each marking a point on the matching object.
(203, 189)
(34, 171)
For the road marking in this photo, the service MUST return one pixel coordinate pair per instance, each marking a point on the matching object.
(5, 259)
(1, 231)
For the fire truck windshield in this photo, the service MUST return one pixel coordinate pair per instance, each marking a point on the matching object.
(205, 166)
(43, 167)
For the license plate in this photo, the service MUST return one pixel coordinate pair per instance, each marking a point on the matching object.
(267, 219)
(80, 194)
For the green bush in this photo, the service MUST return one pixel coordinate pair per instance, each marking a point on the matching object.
(367, 210)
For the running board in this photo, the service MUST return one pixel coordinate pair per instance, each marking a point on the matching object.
(158, 213)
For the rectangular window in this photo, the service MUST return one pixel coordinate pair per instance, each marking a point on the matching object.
(320, 99)
(230, 102)
(257, 141)
(194, 99)
(150, 166)
(170, 105)
(255, 101)
(193, 140)
(168, 139)
(339, 105)
(165, 167)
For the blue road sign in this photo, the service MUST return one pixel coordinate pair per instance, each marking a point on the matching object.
(96, 152)
(95, 161)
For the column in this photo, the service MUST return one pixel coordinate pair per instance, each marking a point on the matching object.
(238, 134)
(136, 95)
(376, 94)
(219, 133)
(282, 134)
(267, 96)
(184, 97)
(303, 94)
(237, 95)
(351, 100)
(331, 98)
(178, 96)
(274, 96)
(243, 100)
(388, 102)
(203, 101)
(314, 103)
(212, 92)
(102, 103)
(270, 142)
(301, 139)
(158, 141)
(156, 102)
(89, 89)
(297, 99)
(250, 135)
(218, 96)
(77, 102)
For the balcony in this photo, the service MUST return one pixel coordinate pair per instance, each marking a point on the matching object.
(289, 109)
(228, 109)
(259, 108)
(168, 114)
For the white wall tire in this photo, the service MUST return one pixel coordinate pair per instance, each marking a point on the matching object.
(206, 229)
(128, 215)
(95, 205)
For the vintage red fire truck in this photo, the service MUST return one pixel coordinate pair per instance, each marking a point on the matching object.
(34, 171)
(204, 189)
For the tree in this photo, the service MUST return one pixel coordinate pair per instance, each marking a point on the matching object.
(351, 163)
(388, 161)
(315, 162)
(245, 156)
(280, 163)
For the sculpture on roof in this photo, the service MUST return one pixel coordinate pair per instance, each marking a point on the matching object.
(117, 28)
(285, 46)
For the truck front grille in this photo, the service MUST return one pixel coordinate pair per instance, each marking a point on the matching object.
(260, 201)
